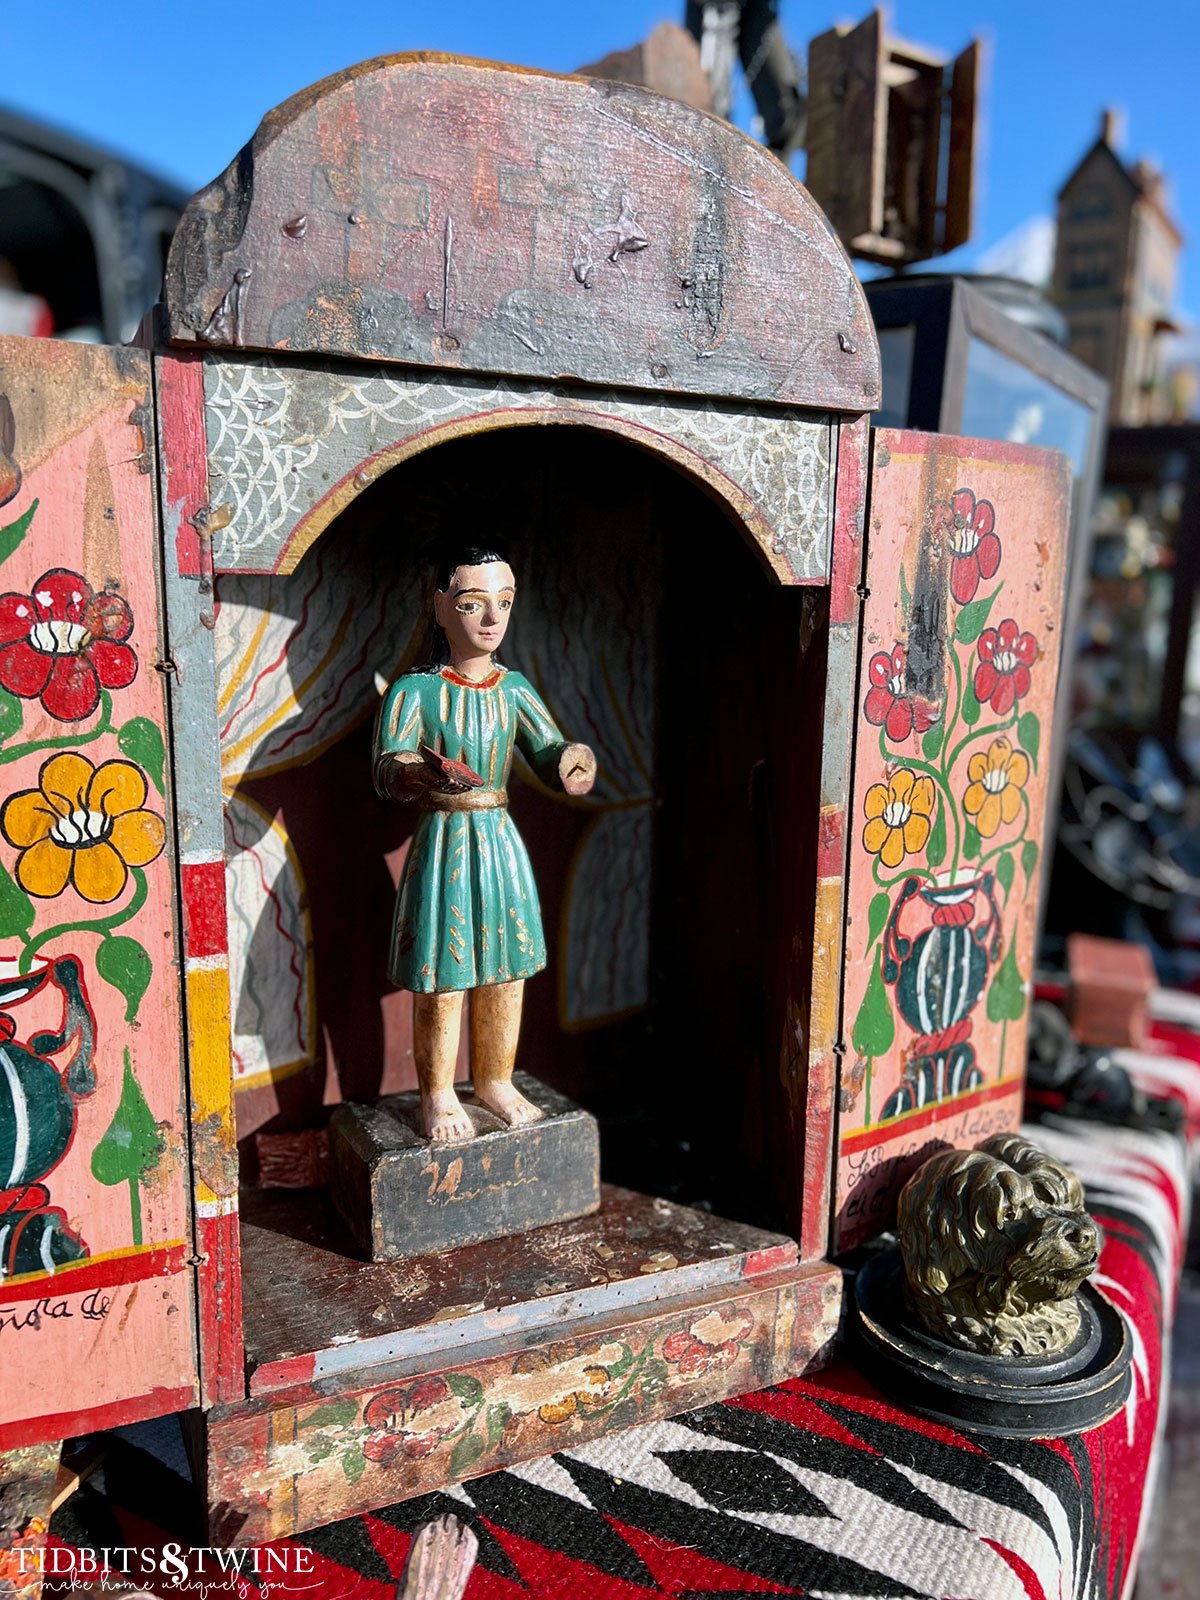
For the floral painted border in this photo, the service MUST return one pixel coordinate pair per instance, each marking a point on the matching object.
(945, 851)
(82, 836)
(569, 1381)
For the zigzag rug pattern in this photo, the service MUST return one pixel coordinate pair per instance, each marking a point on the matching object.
(818, 1487)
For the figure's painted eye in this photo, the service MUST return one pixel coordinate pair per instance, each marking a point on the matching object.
(506, 605)
(467, 608)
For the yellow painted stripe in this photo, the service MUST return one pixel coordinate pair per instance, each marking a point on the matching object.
(245, 664)
(211, 1073)
(294, 700)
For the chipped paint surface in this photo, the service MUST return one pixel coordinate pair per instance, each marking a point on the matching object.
(953, 722)
(95, 1222)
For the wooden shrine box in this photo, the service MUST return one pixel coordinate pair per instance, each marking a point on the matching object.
(791, 927)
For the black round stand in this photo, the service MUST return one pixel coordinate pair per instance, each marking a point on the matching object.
(1027, 1397)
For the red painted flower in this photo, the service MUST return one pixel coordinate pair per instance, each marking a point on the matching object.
(887, 705)
(1005, 657)
(967, 524)
(390, 1415)
(710, 1344)
(64, 643)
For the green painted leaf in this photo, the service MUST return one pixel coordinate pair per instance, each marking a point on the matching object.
(877, 915)
(653, 1377)
(497, 1418)
(622, 1364)
(972, 618)
(338, 1412)
(142, 741)
(130, 1147)
(1006, 870)
(467, 1388)
(1029, 735)
(124, 963)
(465, 1453)
(1006, 993)
(874, 1027)
(1029, 859)
(905, 597)
(935, 850)
(932, 742)
(354, 1463)
(321, 1448)
(970, 708)
(11, 715)
(16, 908)
(11, 536)
(971, 843)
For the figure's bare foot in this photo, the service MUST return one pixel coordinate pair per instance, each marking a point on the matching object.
(507, 1103)
(443, 1117)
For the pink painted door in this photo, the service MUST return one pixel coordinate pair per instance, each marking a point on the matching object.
(958, 669)
(96, 1300)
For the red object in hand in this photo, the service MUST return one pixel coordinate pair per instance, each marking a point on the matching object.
(451, 771)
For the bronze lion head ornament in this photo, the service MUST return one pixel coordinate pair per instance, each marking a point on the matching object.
(995, 1243)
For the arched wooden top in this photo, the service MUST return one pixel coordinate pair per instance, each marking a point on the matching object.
(443, 212)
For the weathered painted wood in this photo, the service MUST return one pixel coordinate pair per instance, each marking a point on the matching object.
(450, 213)
(314, 1312)
(290, 448)
(402, 1196)
(953, 715)
(291, 1461)
(188, 665)
(96, 1313)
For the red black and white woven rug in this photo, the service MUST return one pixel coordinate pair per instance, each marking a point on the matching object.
(818, 1487)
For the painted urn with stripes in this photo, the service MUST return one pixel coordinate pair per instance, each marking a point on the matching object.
(37, 1113)
(939, 973)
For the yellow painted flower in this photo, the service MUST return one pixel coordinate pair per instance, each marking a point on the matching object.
(993, 795)
(82, 825)
(898, 814)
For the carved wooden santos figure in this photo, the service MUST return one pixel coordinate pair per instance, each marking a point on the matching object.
(422, 274)
(467, 915)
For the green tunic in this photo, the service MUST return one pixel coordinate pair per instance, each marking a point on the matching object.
(467, 912)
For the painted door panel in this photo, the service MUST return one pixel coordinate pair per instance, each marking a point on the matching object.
(958, 669)
(96, 1313)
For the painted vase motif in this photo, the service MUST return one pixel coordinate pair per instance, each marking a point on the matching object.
(939, 976)
(37, 1114)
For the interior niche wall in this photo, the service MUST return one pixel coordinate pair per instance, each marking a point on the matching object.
(655, 633)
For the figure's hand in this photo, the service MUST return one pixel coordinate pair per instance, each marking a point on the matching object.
(404, 776)
(577, 769)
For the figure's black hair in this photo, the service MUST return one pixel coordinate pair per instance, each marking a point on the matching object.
(448, 559)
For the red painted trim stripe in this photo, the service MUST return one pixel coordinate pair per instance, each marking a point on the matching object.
(915, 1121)
(69, 1424)
(273, 1375)
(184, 454)
(222, 1375)
(773, 1259)
(161, 1262)
(205, 929)
(831, 846)
(849, 519)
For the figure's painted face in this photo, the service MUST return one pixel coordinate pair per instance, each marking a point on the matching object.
(474, 611)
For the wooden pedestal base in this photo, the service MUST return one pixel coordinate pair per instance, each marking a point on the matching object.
(371, 1383)
(402, 1196)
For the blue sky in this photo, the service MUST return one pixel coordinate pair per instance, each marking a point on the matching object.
(181, 87)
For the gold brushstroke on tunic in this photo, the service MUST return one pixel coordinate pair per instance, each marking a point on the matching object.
(397, 708)
(444, 701)
(414, 718)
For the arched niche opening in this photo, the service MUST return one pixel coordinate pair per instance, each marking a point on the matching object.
(676, 899)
